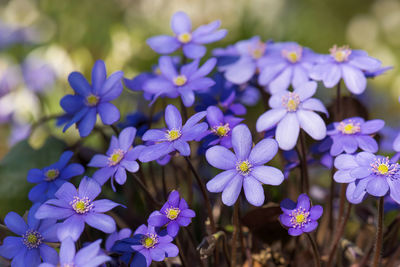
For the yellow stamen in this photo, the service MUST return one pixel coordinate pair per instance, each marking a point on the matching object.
(180, 80)
(185, 37)
(172, 213)
(383, 168)
(173, 134)
(92, 100)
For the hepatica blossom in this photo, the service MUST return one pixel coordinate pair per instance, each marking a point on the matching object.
(291, 111)
(50, 178)
(148, 245)
(118, 159)
(78, 207)
(344, 63)
(116, 236)
(175, 137)
(190, 41)
(29, 248)
(368, 173)
(174, 213)
(352, 133)
(287, 64)
(244, 168)
(89, 256)
(190, 79)
(300, 217)
(82, 108)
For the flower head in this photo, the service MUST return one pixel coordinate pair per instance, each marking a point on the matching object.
(300, 217)
(175, 213)
(50, 178)
(119, 158)
(28, 248)
(77, 207)
(82, 108)
(291, 111)
(190, 41)
(175, 137)
(244, 168)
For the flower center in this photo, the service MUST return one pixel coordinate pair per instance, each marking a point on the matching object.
(185, 37)
(115, 157)
(157, 71)
(172, 213)
(291, 101)
(67, 265)
(149, 241)
(173, 134)
(92, 100)
(52, 174)
(349, 128)
(383, 167)
(293, 55)
(81, 205)
(340, 54)
(257, 50)
(244, 167)
(32, 239)
(299, 217)
(221, 130)
(180, 80)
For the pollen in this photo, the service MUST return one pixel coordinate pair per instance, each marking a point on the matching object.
(221, 130)
(172, 213)
(32, 239)
(115, 157)
(92, 100)
(180, 80)
(291, 101)
(185, 37)
(349, 128)
(81, 205)
(383, 167)
(149, 241)
(52, 174)
(173, 134)
(340, 54)
(244, 167)
(293, 55)
(257, 50)
(299, 217)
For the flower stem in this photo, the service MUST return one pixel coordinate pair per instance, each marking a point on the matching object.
(204, 193)
(338, 115)
(149, 195)
(317, 257)
(304, 167)
(235, 233)
(379, 231)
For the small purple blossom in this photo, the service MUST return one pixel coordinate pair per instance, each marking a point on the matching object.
(38, 74)
(29, 248)
(291, 111)
(89, 256)
(148, 245)
(49, 179)
(353, 133)
(184, 83)
(175, 137)
(174, 213)
(190, 41)
(77, 207)
(244, 168)
(116, 236)
(300, 217)
(368, 173)
(82, 108)
(344, 63)
(119, 158)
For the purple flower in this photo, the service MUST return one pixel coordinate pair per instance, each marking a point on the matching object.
(116, 236)
(174, 214)
(119, 158)
(89, 256)
(148, 245)
(352, 133)
(300, 217)
(82, 108)
(78, 207)
(190, 41)
(49, 179)
(343, 63)
(29, 248)
(291, 111)
(368, 173)
(190, 79)
(244, 168)
(221, 126)
(287, 64)
(175, 137)
(38, 74)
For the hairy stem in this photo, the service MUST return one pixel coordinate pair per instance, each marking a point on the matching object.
(379, 231)
(303, 161)
(317, 257)
(235, 233)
